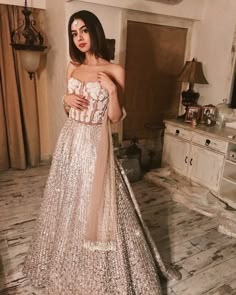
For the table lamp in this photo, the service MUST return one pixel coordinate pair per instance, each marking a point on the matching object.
(192, 73)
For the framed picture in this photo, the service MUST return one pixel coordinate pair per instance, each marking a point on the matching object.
(208, 114)
(193, 112)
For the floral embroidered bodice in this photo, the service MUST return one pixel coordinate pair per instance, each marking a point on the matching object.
(98, 100)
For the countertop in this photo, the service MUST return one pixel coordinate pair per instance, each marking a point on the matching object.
(215, 131)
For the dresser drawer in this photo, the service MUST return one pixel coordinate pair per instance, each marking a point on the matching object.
(210, 142)
(178, 132)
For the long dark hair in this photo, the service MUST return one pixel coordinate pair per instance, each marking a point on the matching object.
(98, 41)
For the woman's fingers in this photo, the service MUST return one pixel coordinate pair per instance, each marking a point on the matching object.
(77, 101)
(102, 74)
(79, 106)
(83, 100)
(102, 77)
(81, 103)
(106, 81)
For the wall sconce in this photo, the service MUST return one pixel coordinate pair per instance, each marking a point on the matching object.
(29, 42)
(192, 73)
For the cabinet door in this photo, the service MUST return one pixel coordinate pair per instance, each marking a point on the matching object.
(175, 154)
(206, 167)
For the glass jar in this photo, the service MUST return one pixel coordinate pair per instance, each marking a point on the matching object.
(223, 112)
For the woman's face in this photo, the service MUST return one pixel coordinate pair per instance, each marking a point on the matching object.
(80, 35)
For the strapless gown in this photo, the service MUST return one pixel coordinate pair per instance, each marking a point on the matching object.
(56, 259)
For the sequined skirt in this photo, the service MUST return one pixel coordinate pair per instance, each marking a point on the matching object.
(57, 259)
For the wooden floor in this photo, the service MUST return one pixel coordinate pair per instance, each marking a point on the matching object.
(206, 258)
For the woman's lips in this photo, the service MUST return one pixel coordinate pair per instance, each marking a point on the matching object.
(82, 45)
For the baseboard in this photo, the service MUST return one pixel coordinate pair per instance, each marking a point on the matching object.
(46, 158)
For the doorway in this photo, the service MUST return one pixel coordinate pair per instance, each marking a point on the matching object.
(154, 58)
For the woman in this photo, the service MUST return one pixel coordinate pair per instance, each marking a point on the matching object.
(90, 238)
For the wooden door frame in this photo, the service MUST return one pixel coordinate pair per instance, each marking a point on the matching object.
(136, 16)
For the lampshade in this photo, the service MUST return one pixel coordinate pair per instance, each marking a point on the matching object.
(193, 73)
(30, 60)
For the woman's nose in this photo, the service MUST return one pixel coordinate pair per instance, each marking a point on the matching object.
(80, 37)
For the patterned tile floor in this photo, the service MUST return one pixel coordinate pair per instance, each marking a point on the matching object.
(206, 258)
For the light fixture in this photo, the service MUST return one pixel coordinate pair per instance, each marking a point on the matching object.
(192, 73)
(29, 42)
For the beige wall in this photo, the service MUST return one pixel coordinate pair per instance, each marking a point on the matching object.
(31, 3)
(211, 30)
(213, 42)
(189, 9)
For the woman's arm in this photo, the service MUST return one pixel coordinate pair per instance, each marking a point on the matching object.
(115, 90)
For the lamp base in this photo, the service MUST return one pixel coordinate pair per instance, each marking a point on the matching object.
(189, 97)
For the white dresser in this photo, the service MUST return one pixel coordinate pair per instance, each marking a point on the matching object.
(201, 154)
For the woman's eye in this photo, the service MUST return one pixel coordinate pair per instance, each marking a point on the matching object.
(74, 35)
(85, 30)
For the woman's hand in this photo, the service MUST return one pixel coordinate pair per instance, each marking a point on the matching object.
(78, 102)
(106, 82)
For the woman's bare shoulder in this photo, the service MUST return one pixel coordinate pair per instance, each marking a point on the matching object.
(72, 66)
(115, 67)
(118, 72)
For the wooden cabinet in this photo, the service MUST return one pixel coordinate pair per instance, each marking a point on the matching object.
(176, 153)
(200, 156)
(206, 167)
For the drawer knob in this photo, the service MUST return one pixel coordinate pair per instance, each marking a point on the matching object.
(177, 132)
(207, 142)
(186, 159)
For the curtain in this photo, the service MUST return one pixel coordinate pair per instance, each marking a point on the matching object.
(19, 123)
